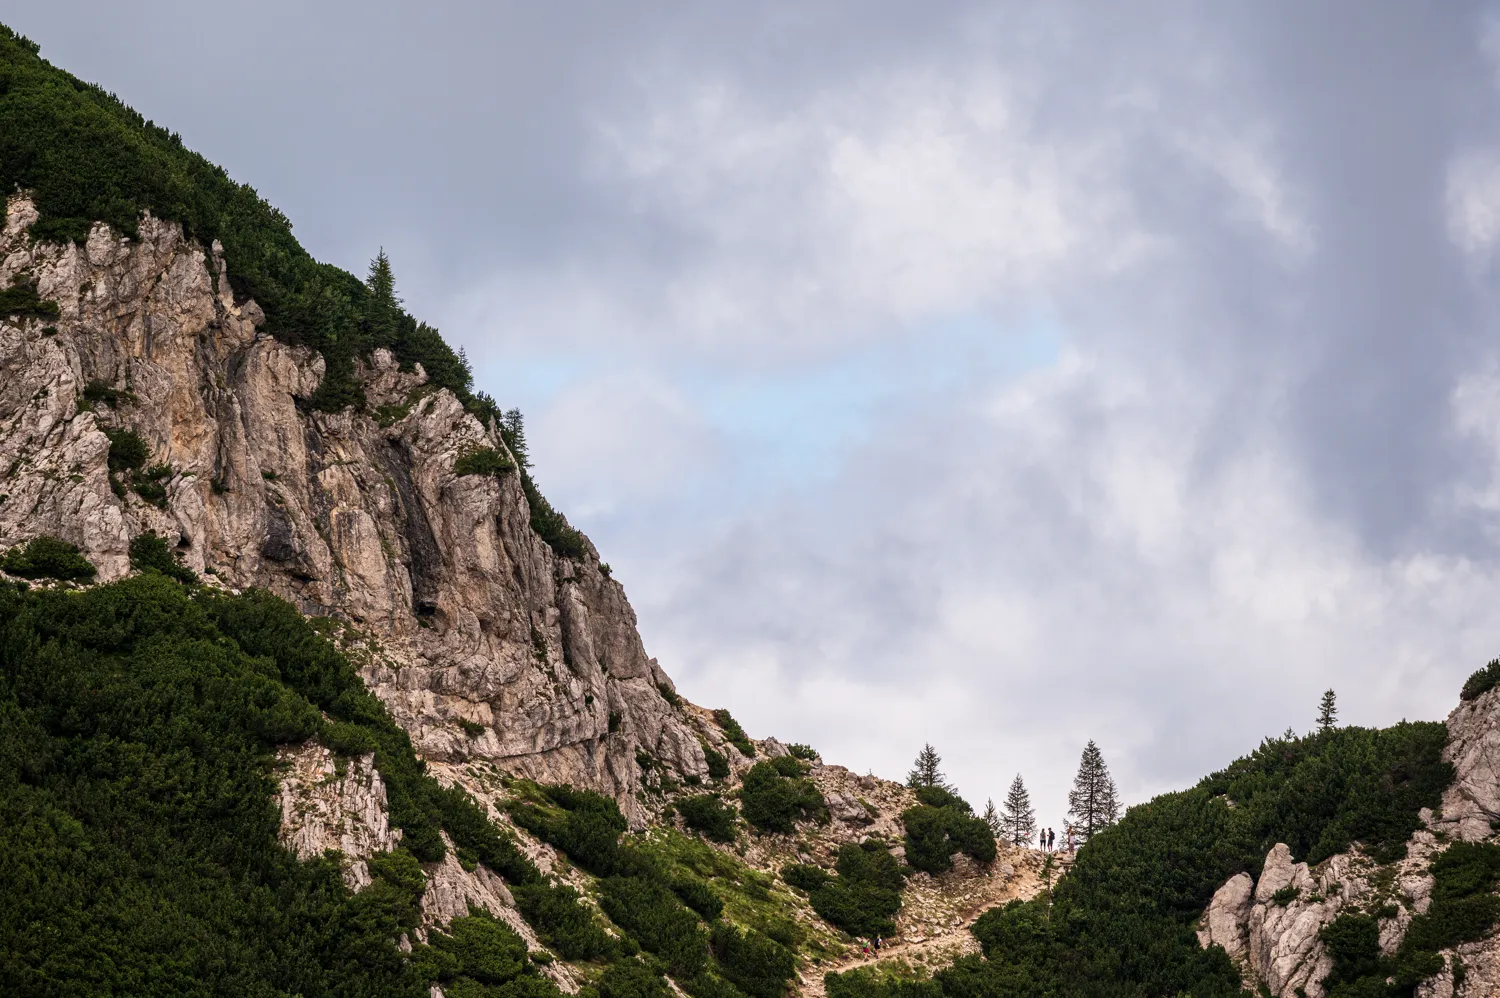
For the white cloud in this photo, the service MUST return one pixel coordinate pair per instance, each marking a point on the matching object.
(1473, 201)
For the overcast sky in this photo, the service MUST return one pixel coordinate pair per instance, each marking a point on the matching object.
(1000, 375)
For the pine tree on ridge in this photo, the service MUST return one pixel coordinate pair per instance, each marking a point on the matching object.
(1328, 711)
(925, 771)
(1019, 819)
(1093, 803)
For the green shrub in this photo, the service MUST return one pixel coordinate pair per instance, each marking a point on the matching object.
(480, 957)
(801, 751)
(865, 896)
(943, 797)
(21, 300)
(696, 894)
(149, 553)
(127, 451)
(150, 485)
(563, 921)
(709, 815)
(653, 915)
(483, 461)
(774, 803)
(935, 833)
(629, 979)
(788, 766)
(1353, 941)
(667, 693)
(47, 557)
(757, 964)
(804, 877)
(587, 827)
(1285, 896)
(734, 733)
(718, 766)
(870, 982)
(471, 728)
(1482, 681)
(710, 985)
(97, 391)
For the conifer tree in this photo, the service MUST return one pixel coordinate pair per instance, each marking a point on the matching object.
(1328, 711)
(925, 771)
(382, 307)
(993, 819)
(1019, 821)
(1093, 803)
(514, 429)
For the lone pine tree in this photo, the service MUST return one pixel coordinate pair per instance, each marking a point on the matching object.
(1328, 711)
(925, 771)
(1019, 820)
(1093, 803)
(382, 307)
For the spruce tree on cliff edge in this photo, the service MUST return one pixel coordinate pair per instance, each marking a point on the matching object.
(1093, 803)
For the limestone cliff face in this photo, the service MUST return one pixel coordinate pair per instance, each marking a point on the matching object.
(1270, 927)
(478, 625)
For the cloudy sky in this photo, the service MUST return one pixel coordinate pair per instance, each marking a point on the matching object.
(1000, 375)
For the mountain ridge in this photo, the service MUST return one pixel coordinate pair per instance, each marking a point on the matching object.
(344, 664)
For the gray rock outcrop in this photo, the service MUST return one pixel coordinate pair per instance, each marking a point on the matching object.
(1226, 922)
(482, 641)
(327, 803)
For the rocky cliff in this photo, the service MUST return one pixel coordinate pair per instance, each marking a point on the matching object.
(484, 643)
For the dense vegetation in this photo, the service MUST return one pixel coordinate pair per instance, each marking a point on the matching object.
(775, 796)
(708, 814)
(940, 825)
(1482, 681)
(663, 908)
(137, 822)
(48, 558)
(1121, 923)
(865, 896)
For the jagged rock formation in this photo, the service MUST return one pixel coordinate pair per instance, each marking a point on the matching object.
(328, 803)
(490, 645)
(1271, 926)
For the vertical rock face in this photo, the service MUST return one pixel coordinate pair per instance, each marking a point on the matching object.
(1225, 923)
(1471, 805)
(325, 808)
(488, 645)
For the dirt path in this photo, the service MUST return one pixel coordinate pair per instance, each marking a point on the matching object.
(936, 915)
